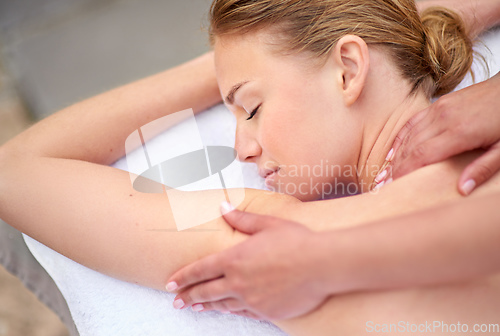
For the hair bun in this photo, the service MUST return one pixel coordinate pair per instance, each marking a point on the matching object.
(448, 49)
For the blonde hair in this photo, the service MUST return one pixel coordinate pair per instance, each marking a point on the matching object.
(433, 51)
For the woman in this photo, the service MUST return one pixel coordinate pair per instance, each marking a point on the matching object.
(339, 77)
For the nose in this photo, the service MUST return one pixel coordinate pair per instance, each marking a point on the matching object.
(246, 144)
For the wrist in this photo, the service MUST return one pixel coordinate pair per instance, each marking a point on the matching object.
(486, 15)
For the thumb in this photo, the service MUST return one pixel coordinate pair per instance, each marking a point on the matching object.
(245, 222)
(480, 170)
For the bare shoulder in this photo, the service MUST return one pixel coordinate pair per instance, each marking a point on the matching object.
(432, 185)
(428, 187)
(442, 178)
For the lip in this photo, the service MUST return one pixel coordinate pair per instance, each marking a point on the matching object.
(270, 178)
(264, 173)
(269, 175)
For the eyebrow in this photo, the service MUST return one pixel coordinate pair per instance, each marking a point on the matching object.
(230, 96)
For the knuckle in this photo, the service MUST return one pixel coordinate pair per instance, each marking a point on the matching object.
(222, 305)
(238, 215)
(197, 271)
(398, 139)
(209, 306)
(186, 298)
(254, 301)
(442, 107)
(233, 265)
(237, 286)
(411, 123)
(195, 295)
(200, 294)
(482, 172)
(406, 149)
(419, 153)
(459, 130)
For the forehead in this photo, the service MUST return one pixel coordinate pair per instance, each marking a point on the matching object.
(255, 57)
(239, 58)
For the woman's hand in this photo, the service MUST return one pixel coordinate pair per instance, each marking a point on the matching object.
(275, 274)
(460, 121)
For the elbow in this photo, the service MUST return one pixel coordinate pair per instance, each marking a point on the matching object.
(9, 168)
(7, 155)
(7, 152)
(4, 158)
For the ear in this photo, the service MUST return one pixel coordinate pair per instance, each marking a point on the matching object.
(351, 54)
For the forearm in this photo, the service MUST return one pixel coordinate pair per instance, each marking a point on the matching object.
(451, 243)
(95, 129)
(478, 15)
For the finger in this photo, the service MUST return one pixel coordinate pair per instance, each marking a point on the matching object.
(410, 124)
(246, 313)
(428, 152)
(205, 269)
(421, 133)
(480, 170)
(247, 222)
(209, 291)
(226, 305)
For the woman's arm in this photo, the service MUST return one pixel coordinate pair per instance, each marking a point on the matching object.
(55, 185)
(437, 244)
(95, 130)
(479, 15)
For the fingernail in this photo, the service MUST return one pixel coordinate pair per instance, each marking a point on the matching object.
(226, 207)
(379, 185)
(468, 186)
(381, 176)
(171, 286)
(197, 307)
(390, 155)
(178, 304)
(389, 180)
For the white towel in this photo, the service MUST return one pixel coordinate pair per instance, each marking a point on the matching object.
(101, 305)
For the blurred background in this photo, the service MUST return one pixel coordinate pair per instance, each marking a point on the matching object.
(56, 52)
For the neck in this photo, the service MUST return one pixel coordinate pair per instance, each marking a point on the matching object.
(377, 142)
(390, 106)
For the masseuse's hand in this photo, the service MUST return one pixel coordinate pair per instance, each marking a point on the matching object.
(478, 15)
(460, 121)
(272, 275)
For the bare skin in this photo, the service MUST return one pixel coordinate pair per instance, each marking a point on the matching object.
(479, 15)
(127, 218)
(57, 152)
(439, 132)
(421, 135)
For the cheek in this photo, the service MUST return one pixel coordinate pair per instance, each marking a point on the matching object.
(321, 141)
(281, 137)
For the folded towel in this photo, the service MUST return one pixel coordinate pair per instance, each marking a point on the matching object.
(101, 305)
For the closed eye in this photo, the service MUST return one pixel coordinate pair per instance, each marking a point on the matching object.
(253, 112)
